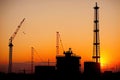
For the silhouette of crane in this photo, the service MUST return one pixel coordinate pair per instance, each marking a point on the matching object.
(58, 39)
(33, 52)
(11, 45)
(32, 57)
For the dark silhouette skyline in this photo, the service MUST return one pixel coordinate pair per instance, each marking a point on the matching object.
(67, 66)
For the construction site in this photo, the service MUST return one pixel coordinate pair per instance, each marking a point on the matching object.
(67, 66)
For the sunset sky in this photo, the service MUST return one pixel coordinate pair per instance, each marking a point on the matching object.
(72, 18)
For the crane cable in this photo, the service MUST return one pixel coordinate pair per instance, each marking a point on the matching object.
(37, 54)
(61, 42)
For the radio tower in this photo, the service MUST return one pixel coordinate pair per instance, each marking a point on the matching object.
(96, 43)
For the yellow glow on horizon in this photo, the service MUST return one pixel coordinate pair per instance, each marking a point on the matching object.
(104, 60)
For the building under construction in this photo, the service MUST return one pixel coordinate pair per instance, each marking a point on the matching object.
(68, 65)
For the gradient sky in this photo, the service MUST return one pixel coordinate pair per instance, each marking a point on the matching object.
(72, 18)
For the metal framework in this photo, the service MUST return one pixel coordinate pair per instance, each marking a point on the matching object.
(11, 46)
(96, 43)
(58, 39)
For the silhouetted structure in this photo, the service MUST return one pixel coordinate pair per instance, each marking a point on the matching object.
(45, 72)
(11, 46)
(96, 44)
(68, 65)
(91, 70)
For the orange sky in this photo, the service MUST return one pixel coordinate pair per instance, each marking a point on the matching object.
(72, 18)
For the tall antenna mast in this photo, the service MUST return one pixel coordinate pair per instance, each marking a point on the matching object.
(96, 43)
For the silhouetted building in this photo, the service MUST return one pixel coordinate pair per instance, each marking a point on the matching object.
(91, 69)
(45, 72)
(44, 69)
(68, 65)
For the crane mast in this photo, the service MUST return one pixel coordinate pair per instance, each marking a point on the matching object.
(58, 41)
(32, 59)
(11, 46)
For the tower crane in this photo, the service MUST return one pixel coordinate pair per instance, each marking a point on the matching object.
(11, 46)
(58, 39)
(32, 57)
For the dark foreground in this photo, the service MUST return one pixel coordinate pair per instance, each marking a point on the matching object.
(21, 76)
